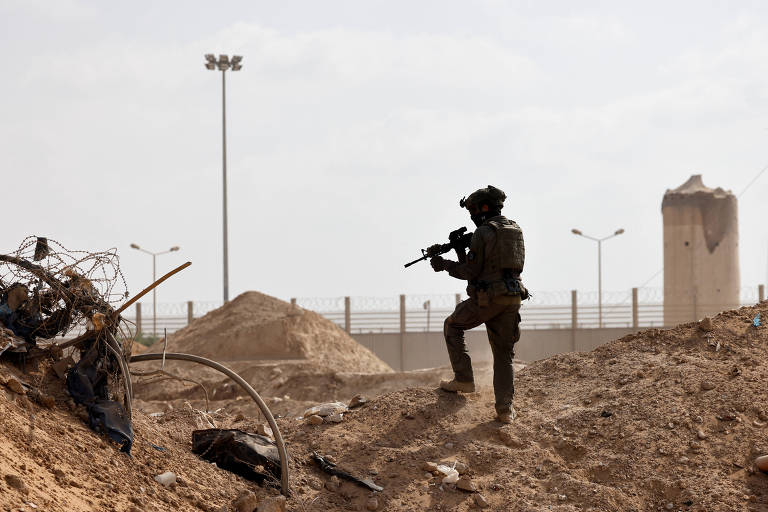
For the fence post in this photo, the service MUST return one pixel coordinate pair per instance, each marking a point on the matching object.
(138, 318)
(190, 311)
(635, 310)
(458, 298)
(761, 292)
(347, 315)
(574, 319)
(293, 301)
(402, 333)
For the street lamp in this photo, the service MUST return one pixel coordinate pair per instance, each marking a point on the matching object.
(223, 64)
(154, 278)
(599, 268)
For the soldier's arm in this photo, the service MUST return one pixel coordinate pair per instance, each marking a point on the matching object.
(473, 265)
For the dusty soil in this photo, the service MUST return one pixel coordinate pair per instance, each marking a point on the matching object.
(661, 420)
(255, 326)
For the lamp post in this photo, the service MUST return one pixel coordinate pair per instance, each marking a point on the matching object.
(223, 64)
(154, 278)
(599, 268)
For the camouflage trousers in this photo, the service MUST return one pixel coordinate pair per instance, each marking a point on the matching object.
(502, 323)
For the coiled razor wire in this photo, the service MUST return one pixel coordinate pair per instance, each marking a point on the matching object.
(69, 288)
(97, 275)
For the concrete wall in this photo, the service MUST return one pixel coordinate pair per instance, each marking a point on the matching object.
(416, 350)
(701, 253)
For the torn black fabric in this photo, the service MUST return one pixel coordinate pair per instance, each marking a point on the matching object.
(87, 384)
(239, 452)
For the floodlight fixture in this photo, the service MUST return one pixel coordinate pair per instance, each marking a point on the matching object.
(210, 58)
(210, 65)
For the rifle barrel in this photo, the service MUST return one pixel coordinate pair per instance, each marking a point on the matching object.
(416, 261)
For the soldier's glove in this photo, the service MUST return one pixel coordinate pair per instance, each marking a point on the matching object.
(433, 249)
(438, 263)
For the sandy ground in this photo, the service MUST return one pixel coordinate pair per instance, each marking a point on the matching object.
(661, 420)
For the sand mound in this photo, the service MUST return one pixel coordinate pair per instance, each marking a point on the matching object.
(51, 460)
(255, 326)
(661, 420)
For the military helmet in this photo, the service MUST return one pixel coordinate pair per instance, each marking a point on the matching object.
(489, 195)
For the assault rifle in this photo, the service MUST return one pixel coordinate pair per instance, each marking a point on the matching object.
(457, 240)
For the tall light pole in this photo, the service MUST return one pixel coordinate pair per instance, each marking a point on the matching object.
(154, 278)
(223, 64)
(599, 268)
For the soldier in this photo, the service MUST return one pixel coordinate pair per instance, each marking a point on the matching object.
(492, 267)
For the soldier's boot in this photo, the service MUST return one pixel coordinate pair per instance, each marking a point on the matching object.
(455, 385)
(507, 416)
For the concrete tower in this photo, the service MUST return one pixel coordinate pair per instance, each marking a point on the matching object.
(701, 251)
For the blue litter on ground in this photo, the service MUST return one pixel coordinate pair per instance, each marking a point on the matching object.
(756, 321)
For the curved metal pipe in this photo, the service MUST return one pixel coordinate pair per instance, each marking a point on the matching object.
(284, 483)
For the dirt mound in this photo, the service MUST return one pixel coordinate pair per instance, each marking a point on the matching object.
(50, 458)
(660, 420)
(255, 326)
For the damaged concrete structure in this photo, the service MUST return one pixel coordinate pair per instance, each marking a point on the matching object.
(701, 251)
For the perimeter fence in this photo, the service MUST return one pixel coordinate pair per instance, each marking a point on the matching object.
(636, 308)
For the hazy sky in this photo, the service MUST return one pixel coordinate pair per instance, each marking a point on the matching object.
(356, 126)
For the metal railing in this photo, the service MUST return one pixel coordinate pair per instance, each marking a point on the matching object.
(418, 313)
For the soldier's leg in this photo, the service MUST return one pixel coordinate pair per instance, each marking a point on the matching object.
(503, 333)
(467, 315)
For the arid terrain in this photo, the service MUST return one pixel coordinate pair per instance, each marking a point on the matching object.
(660, 420)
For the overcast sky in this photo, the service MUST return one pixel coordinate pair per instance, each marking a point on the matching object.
(355, 127)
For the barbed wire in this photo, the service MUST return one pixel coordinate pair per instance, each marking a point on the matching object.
(611, 299)
(56, 276)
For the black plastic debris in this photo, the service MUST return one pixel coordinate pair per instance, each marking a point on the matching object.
(239, 452)
(87, 384)
(330, 468)
(31, 315)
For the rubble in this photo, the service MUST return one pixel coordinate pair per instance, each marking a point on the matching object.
(328, 409)
(466, 484)
(15, 482)
(480, 501)
(246, 502)
(166, 479)
(314, 419)
(15, 385)
(357, 401)
(272, 504)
